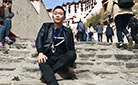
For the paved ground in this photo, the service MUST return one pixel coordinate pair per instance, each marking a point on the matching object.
(96, 64)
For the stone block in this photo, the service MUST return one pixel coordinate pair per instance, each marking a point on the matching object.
(7, 68)
(104, 55)
(114, 63)
(78, 71)
(84, 63)
(124, 56)
(19, 46)
(104, 72)
(90, 49)
(31, 68)
(86, 55)
(131, 65)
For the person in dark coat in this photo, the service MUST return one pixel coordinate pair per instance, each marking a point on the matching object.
(81, 31)
(99, 30)
(109, 33)
(56, 50)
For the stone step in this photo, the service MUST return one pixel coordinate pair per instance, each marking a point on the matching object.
(84, 63)
(113, 63)
(7, 68)
(98, 71)
(19, 46)
(25, 82)
(24, 40)
(17, 53)
(132, 65)
(125, 56)
(8, 60)
(31, 67)
(86, 55)
(104, 56)
(77, 82)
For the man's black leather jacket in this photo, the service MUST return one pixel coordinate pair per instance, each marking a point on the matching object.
(45, 38)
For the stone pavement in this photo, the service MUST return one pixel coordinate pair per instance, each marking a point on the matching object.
(96, 64)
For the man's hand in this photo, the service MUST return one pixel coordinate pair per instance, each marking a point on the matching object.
(42, 58)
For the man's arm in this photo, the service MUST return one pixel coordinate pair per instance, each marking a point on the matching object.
(39, 45)
(40, 39)
(72, 45)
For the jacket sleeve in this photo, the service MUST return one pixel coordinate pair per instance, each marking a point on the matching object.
(40, 39)
(72, 45)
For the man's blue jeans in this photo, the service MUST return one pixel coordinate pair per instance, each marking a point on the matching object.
(5, 29)
(121, 22)
(90, 34)
(100, 37)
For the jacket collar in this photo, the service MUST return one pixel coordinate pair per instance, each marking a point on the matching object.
(64, 28)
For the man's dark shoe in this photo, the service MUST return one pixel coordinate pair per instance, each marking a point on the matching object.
(120, 45)
(68, 73)
(72, 73)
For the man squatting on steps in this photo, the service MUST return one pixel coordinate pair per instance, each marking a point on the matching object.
(55, 45)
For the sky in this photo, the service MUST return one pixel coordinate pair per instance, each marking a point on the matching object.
(54, 3)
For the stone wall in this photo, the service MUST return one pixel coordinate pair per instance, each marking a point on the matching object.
(27, 21)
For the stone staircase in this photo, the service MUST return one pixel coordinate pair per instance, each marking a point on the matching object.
(96, 64)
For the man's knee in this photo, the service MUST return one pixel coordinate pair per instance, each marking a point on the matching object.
(43, 66)
(7, 20)
(71, 55)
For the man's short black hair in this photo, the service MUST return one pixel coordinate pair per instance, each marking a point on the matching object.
(60, 7)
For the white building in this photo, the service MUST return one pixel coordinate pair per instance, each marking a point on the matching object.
(78, 10)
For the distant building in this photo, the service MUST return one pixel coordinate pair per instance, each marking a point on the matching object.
(78, 10)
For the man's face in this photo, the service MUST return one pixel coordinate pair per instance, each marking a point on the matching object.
(58, 16)
(7, 4)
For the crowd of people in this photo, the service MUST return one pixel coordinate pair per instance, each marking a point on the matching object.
(81, 35)
(123, 17)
